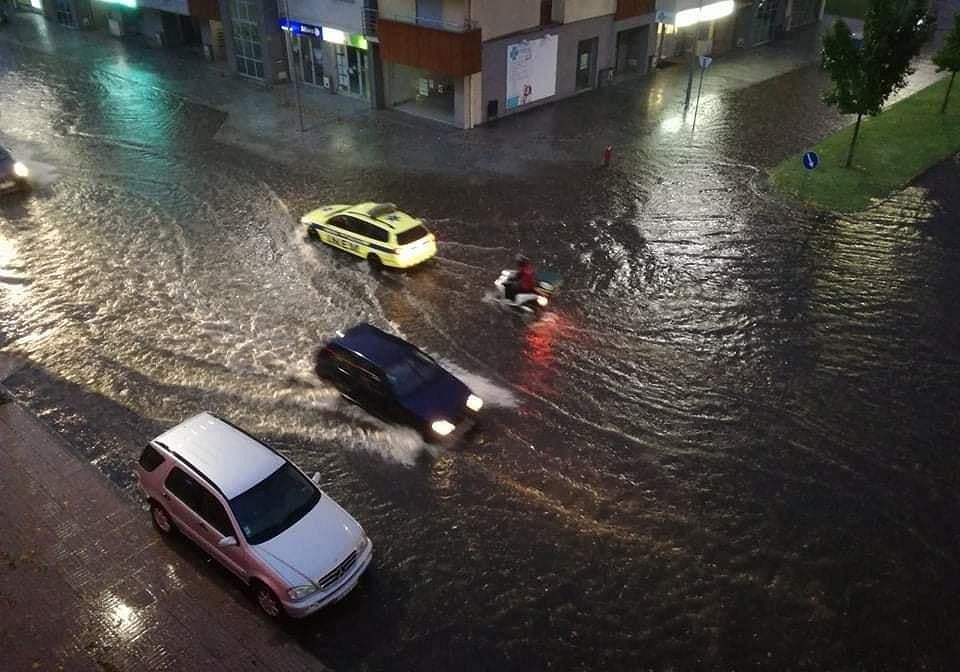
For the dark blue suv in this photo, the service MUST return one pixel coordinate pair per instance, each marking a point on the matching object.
(398, 382)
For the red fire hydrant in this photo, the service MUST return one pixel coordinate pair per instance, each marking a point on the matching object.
(607, 155)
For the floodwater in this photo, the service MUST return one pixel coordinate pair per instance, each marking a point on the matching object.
(730, 444)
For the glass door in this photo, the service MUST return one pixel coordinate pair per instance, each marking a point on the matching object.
(65, 14)
(585, 51)
(343, 69)
(357, 67)
(763, 21)
(307, 47)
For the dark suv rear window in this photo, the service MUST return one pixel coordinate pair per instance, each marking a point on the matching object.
(150, 458)
(410, 235)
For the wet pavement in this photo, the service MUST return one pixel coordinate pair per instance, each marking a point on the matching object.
(85, 585)
(728, 445)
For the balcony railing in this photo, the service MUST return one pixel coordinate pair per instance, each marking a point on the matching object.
(371, 16)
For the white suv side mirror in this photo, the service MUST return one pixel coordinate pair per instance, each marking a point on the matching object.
(315, 478)
(227, 541)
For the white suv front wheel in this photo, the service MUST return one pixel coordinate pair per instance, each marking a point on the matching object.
(267, 601)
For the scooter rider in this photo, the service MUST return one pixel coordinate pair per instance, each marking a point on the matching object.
(524, 280)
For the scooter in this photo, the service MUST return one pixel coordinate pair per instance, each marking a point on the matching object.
(530, 302)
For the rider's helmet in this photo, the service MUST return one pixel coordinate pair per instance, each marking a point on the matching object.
(522, 260)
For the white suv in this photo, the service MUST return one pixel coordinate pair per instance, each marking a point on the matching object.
(255, 512)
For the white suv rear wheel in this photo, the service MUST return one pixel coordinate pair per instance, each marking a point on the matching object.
(161, 519)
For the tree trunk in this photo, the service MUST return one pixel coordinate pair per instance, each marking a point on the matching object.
(853, 143)
(947, 97)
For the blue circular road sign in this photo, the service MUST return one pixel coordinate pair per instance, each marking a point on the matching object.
(810, 160)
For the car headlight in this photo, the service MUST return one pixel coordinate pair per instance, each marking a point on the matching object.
(364, 540)
(474, 403)
(300, 592)
(442, 427)
(542, 301)
(20, 169)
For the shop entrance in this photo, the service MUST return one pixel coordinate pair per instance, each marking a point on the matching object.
(421, 92)
(352, 71)
(586, 55)
(632, 49)
(310, 57)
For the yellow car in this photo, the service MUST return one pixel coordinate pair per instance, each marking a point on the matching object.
(377, 232)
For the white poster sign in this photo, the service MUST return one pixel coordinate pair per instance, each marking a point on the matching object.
(531, 70)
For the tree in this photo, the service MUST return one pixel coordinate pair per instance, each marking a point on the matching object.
(948, 57)
(865, 74)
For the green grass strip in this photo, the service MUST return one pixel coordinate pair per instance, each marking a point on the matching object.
(904, 141)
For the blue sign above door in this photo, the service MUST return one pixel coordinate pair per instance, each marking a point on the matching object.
(297, 27)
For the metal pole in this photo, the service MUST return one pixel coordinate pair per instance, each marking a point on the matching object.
(693, 57)
(663, 32)
(696, 108)
(291, 67)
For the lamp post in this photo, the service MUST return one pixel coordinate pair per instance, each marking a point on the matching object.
(284, 10)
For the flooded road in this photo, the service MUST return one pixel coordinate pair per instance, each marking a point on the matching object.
(730, 444)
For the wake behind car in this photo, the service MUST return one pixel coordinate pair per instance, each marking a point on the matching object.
(377, 232)
(14, 175)
(396, 381)
(254, 512)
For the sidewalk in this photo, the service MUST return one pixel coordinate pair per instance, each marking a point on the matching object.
(347, 132)
(86, 583)
(641, 118)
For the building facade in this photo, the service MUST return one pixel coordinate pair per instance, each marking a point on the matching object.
(722, 25)
(253, 39)
(174, 23)
(177, 23)
(462, 62)
(69, 13)
(333, 46)
(468, 62)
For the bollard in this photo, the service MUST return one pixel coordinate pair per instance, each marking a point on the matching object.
(607, 155)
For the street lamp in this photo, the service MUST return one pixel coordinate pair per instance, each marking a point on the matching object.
(695, 17)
